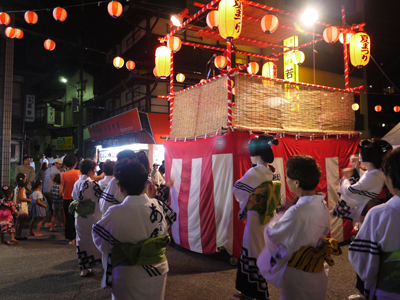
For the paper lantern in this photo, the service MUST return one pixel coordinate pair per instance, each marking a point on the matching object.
(360, 49)
(269, 70)
(155, 73)
(230, 14)
(114, 9)
(269, 23)
(253, 68)
(220, 61)
(378, 108)
(130, 65)
(174, 43)
(19, 34)
(118, 62)
(180, 77)
(163, 61)
(59, 14)
(234, 91)
(203, 80)
(4, 18)
(348, 37)
(226, 83)
(10, 32)
(331, 34)
(298, 57)
(396, 108)
(31, 17)
(355, 106)
(49, 45)
(213, 19)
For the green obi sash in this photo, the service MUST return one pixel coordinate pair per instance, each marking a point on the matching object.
(147, 252)
(82, 208)
(389, 272)
(265, 199)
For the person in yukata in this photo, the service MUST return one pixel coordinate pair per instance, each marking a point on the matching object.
(258, 196)
(86, 195)
(135, 233)
(375, 252)
(297, 232)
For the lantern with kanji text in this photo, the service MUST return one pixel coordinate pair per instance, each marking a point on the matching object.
(163, 61)
(213, 19)
(230, 14)
(378, 108)
(360, 49)
(115, 9)
(4, 18)
(174, 43)
(331, 34)
(130, 65)
(180, 77)
(10, 32)
(118, 62)
(298, 57)
(49, 45)
(31, 17)
(220, 61)
(253, 68)
(269, 23)
(59, 14)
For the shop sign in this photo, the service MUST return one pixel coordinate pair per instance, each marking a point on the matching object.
(65, 143)
(30, 108)
(51, 115)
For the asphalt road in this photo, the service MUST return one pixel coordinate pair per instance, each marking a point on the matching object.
(47, 268)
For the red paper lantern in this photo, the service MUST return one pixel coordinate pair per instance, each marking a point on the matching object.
(114, 9)
(331, 34)
(130, 65)
(59, 14)
(396, 108)
(49, 45)
(213, 19)
(378, 108)
(174, 43)
(10, 32)
(4, 18)
(118, 62)
(269, 23)
(220, 61)
(19, 34)
(31, 17)
(253, 68)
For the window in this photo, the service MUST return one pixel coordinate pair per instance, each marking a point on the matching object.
(136, 91)
(128, 97)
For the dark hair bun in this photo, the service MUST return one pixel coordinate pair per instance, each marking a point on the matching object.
(261, 146)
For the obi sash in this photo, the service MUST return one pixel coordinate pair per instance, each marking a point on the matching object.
(389, 272)
(82, 208)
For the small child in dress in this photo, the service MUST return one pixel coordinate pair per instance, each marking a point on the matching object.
(57, 200)
(8, 215)
(21, 201)
(38, 208)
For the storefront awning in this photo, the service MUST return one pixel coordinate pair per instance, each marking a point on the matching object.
(159, 124)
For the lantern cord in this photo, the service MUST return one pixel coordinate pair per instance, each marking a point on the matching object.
(391, 82)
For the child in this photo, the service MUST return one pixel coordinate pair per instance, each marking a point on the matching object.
(21, 201)
(57, 200)
(38, 208)
(138, 256)
(8, 215)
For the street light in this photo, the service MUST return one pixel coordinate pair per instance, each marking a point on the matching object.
(63, 79)
(177, 19)
(309, 17)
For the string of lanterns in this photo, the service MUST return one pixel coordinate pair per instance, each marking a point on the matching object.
(377, 108)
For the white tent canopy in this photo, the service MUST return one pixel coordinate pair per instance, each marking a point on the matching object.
(393, 136)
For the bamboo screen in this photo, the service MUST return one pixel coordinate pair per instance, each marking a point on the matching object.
(262, 105)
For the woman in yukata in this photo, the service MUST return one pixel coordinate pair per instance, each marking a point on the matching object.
(258, 196)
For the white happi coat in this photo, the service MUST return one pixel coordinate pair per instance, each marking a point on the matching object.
(304, 224)
(86, 188)
(355, 195)
(379, 233)
(253, 238)
(111, 196)
(136, 219)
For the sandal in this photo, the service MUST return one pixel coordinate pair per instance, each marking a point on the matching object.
(86, 273)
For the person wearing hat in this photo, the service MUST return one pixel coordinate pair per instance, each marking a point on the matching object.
(153, 172)
(26, 169)
(47, 184)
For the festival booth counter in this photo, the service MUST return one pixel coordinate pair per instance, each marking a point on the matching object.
(207, 152)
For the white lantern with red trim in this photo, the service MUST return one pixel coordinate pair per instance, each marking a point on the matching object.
(59, 14)
(180, 77)
(4, 18)
(298, 57)
(396, 108)
(378, 108)
(220, 61)
(118, 62)
(355, 106)
(174, 44)
(10, 32)
(49, 45)
(115, 9)
(130, 65)
(331, 34)
(163, 61)
(31, 17)
(213, 19)
(348, 37)
(253, 68)
(19, 34)
(269, 23)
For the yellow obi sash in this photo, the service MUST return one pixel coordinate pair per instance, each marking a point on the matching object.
(146, 252)
(310, 259)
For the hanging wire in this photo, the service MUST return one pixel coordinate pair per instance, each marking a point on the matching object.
(391, 82)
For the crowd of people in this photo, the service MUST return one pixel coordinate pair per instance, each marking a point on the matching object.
(284, 244)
